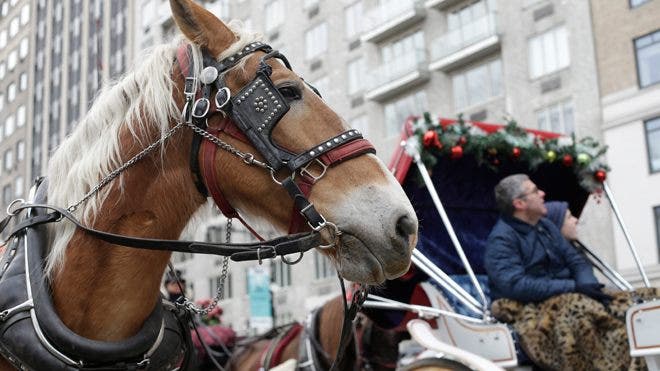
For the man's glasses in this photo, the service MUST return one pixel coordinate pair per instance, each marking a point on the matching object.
(533, 191)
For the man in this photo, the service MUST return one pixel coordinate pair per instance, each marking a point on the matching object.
(526, 258)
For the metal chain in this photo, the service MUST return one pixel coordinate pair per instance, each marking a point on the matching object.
(115, 173)
(220, 291)
(248, 158)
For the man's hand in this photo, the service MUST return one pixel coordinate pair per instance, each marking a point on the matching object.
(593, 290)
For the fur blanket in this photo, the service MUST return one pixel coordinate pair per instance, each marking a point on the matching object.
(574, 332)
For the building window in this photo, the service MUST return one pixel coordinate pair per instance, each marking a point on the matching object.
(11, 92)
(557, 118)
(23, 49)
(398, 111)
(353, 15)
(316, 41)
(323, 267)
(361, 123)
(356, 72)
(274, 15)
(647, 49)
(13, 27)
(656, 212)
(9, 126)
(20, 151)
(281, 273)
(653, 143)
(477, 85)
(3, 70)
(2, 102)
(25, 14)
(9, 160)
(396, 51)
(21, 116)
(636, 3)
(548, 52)
(18, 187)
(12, 60)
(22, 81)
(3, 39)
(216, 282)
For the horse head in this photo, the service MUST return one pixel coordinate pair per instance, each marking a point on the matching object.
(357, 194)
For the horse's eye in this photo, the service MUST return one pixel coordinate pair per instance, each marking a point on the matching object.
(290, 92)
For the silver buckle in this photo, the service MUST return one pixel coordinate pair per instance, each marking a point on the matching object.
(305, 170)
(194, 109)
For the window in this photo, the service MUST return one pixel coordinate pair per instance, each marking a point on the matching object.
(21, 116)
(557, 118)
(11, 92)
(2, 101)
(477, 85)
(3, 39)
(8, 159)
(25, 14)
(13, 27)
(353, 15)
(548, 52)
(399, 49)
(362, 124)
(20, 151)
(274, 15)
(22, 81)
(636, 3)
(281, 273)
(653, 143)
(647, 49)
(398, 111)
(9, 125)
(12, 60)
(316, 41)
(356, 73)
(656, 211)
(216, 282)
(3, 70)
(470, 23)
(322, 266)
(23, 48)
(5, 8)
(18, 187)
(6, 193)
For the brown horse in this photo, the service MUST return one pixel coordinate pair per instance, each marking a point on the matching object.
(105, 292)
(372, 348)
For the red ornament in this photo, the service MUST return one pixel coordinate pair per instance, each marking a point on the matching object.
(600, 175)
(462, 141)
(515, 152)
(567, 160)
(431, 139)
(496, 161)
(456, 152)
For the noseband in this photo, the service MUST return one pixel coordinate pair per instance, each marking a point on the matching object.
(251, 116)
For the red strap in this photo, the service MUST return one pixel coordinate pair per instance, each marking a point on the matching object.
(182, 57)
(279, 348)
(347, 151)
(208, 152)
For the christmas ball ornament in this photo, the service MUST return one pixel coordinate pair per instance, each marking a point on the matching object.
(496, 161)
(431, 139)
(583, 158)
(515, 152)
(567, 160)
(456, 152)
(461, 141)
(600, 175)
(551, 156)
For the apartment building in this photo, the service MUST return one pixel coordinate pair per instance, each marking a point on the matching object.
(627, 44)
(15, 43)
(378, 61)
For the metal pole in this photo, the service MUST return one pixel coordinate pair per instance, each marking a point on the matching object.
(446, 282)
(450, 229)
(631, 245)
(604, 268)
(421, 310)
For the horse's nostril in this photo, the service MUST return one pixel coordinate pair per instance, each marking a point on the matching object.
(406, 226)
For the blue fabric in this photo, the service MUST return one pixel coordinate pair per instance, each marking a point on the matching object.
(556, 212)
(464, 281)
(532, 263)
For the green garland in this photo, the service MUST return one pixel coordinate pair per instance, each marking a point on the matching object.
(511, 143)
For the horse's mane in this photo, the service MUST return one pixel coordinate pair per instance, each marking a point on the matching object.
(139, 102)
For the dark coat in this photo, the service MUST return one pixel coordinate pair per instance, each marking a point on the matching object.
(532, 263)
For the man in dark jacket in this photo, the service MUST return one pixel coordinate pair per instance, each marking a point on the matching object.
(526, 258)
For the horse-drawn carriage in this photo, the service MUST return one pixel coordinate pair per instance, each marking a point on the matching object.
(449, 169)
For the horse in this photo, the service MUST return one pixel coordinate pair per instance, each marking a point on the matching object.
(314, 344)
(133, 173)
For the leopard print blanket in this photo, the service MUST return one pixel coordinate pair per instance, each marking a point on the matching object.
(574, 332)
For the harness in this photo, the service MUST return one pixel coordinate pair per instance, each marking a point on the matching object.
(27, 316)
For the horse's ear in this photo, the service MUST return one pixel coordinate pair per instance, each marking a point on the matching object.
(201, 26)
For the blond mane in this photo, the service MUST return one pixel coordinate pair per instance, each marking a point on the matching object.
(139, 101)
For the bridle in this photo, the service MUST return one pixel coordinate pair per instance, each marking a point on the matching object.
(250, 115)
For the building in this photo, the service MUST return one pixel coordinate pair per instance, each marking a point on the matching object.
(378, 61)
(627, 45)
(15, 44)
(78, 46)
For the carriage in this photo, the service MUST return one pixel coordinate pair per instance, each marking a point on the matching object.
(452, 192)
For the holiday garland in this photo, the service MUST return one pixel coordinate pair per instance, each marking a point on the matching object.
(510, 143)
